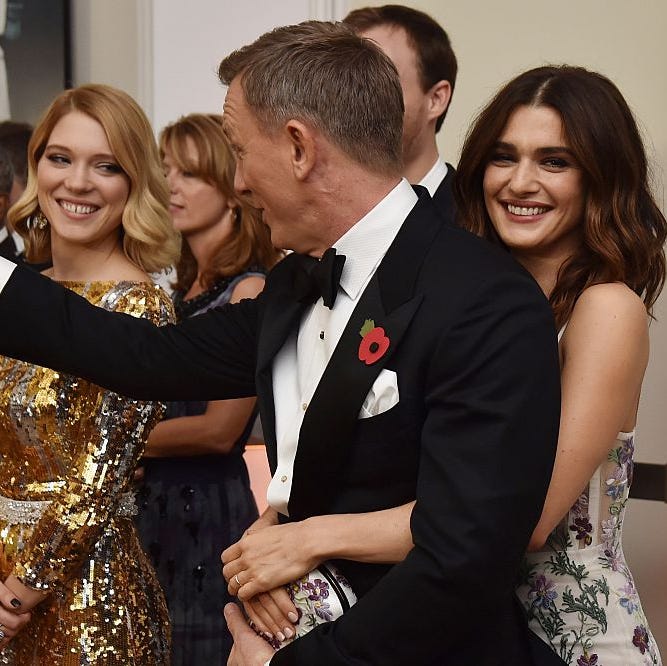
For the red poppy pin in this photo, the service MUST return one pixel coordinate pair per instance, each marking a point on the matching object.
(374, 343)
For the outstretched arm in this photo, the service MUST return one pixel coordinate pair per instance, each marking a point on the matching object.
(205, 358)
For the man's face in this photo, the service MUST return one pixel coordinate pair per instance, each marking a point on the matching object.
(264, 174)
(394, 42)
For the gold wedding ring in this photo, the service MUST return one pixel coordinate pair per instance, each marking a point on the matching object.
(236, 578)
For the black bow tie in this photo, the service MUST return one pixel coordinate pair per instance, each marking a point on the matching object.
(314, 278)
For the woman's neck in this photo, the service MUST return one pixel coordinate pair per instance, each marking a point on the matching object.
(204, 243)
(544, 270)
(86, 263)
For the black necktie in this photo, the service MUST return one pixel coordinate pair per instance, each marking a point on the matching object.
(314, 278)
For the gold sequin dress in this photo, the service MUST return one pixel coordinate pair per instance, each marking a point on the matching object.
(68, 450)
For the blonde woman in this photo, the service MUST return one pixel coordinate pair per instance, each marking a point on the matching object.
(96, 206)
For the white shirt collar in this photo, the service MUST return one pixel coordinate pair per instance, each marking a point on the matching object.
(368, 240)
(437, 173)
(18, 241)
(3, 234)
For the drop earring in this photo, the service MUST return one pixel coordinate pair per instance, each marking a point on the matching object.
(37, 221)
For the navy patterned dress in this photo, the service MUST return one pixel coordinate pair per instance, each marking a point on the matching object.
(190, 509)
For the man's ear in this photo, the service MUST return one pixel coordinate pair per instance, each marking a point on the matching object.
(439, 96)
(303, 148)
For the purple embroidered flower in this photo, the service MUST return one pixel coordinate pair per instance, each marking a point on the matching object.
(323, 610)
(583, 528)
(542, 592)
(592, 660)
(610, 529)
(640, 639)
(612, 559)
(631, 600)
(617, 483)
(316, 590)
(626, 451)
(629, 605)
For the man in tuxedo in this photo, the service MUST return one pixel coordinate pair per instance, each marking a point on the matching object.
(453, 326)
(422, 53)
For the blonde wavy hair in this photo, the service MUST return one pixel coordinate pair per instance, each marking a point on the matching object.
(149, 240)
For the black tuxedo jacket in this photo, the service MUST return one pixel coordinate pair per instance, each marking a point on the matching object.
(8, 249)
(473, 344)
(443, 197)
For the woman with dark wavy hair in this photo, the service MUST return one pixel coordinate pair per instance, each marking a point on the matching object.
(554, 170)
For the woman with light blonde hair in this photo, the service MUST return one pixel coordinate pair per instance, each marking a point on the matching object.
(77, 586)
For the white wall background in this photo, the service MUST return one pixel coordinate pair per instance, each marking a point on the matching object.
(165, 53)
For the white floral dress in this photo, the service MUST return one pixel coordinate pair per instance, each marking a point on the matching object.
(579, 594)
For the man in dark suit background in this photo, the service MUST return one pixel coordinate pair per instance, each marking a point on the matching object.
(8, 246)
(458, 331)
(14, 138)
(423, 55)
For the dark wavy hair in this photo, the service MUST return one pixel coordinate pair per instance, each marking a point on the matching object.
(249, 245)
(623, 229)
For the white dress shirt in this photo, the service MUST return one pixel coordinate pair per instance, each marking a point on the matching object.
(308, 351)
(437, 173)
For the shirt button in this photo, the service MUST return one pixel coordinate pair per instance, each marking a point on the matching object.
(304, 406)
(283, 478)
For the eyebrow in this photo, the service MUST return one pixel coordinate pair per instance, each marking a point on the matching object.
(545, 150)
(66, 149)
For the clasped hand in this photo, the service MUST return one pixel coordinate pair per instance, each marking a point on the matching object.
(258, 566)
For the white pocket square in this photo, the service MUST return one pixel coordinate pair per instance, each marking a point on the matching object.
(382, 396)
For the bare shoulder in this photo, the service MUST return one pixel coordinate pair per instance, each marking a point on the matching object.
(610, 302)
(249, 287)
(608, 314)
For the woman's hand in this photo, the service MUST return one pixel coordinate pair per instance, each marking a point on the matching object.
(264, 559)
(273, 613)
(12, 620)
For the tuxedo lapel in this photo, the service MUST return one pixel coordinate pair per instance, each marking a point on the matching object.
(329, 423)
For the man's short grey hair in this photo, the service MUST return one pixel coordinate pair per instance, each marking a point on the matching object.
(323, 74)
(6, 172)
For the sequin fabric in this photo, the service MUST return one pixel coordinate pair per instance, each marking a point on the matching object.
(69, 449)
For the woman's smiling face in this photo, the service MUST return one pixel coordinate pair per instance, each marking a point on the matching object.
(533, 186)
(81, 188)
